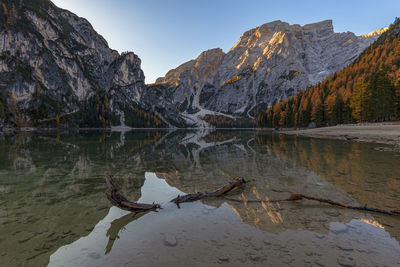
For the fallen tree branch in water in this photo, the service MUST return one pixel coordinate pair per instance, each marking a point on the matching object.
(295, 197)
(217, 193)
(121, 202)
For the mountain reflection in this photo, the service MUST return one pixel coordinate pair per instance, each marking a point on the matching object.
(369, 175)
(52, 188)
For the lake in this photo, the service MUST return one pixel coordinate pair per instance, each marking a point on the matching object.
(54, 210)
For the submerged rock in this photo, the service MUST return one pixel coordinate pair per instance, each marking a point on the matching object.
(170, 240)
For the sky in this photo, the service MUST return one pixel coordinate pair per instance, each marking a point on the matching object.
(167, 33)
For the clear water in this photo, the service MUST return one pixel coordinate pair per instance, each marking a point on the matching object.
(53, 208)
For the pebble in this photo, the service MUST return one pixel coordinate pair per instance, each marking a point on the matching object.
(226, 259)
(345, 246)
(267, 242)
(317, 262)
(319, 236)
(338, 228)
(257, 248)
(332, 213)
(94, 255)
(255, 257)
(309, 253)
(170, 240)
(346, 262)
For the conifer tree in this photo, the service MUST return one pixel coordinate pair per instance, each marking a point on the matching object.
(360, 100)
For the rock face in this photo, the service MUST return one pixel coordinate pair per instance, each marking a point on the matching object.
(177, 95)
(189, 78)
(54, 65)
(268, 63)
(55, 69)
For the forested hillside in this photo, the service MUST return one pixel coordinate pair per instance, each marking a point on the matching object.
(366, 90)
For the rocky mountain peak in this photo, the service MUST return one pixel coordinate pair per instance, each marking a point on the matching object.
(268, 63)
(209, 59)
(322, 28)
(210, 56)
(265, 32)
(182, 86)
(376, 33)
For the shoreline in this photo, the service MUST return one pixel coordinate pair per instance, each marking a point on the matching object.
(9, 130)
(387, 133)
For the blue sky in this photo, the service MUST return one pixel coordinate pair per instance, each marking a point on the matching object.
(167, 33)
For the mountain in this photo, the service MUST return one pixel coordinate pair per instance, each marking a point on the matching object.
(182, 87)
(268, 63)
(366, 90)
(55, 69)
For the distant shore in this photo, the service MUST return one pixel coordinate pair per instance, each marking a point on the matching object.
(381, 133)
(12, 130)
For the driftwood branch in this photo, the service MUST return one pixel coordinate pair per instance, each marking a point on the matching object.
(117, 199)
(295, 197)
(217, 193)
(120, 201)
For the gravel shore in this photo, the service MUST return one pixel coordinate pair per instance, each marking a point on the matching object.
(382, 133)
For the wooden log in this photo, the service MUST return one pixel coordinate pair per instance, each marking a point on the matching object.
(295, 197)
(217, 193)
(117, 199)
